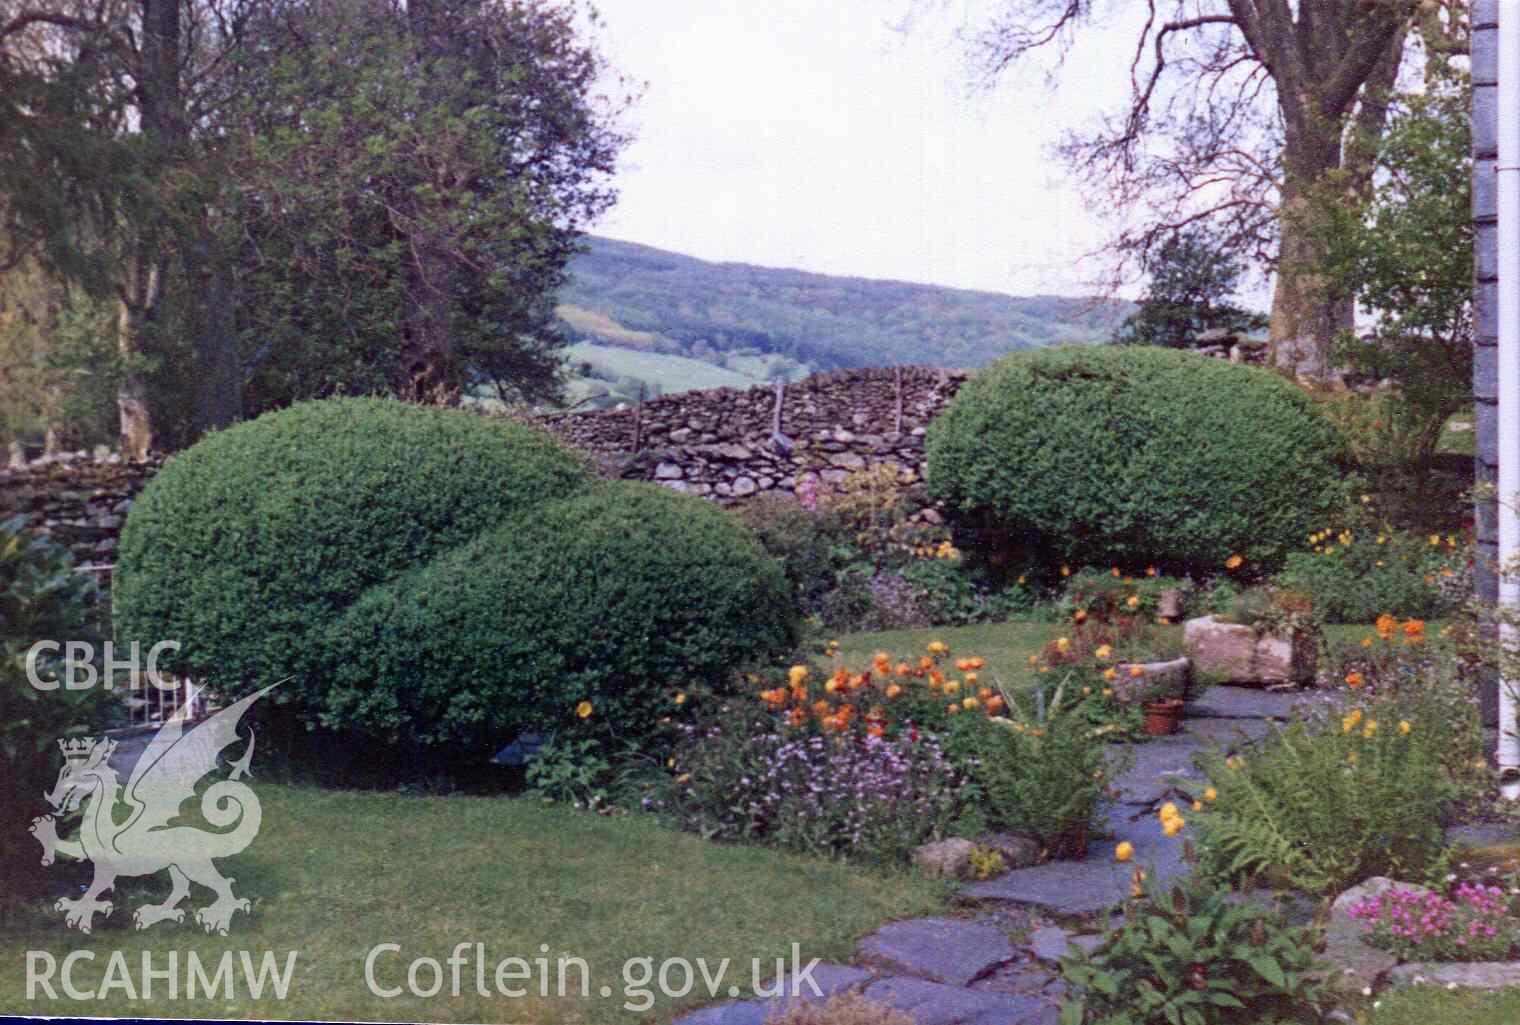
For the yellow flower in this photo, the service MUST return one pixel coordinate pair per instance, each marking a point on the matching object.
(1350, 720)
(1234, 762)
(971, 679)
(1150, 571)
(1086, 692)
(938, 647)
(680, 699)
(1022, 579)
(1233, 562)
(1366, 499)
(1136, 672)
(684, 778)
(670, 763)
(1063, 644)
(1108, 692)
(1370, 728)
(1329, 551)
(1080, 616)
(1171, 827)
(1168, 811)
(953, 708)
(1114, 572)
(1382, 540)
(1124, 850)
(1435, 539)
(796, 675)
(1104, 651)
(1065, 571)
(584, 710)
(1351, 757)
(969, 703)
(1345, 538)
(1210, 794)
(1404, 727)
(1367, 641)
(1198, 806)
(1034, 660)
(1110, 674)
(894, 690)
(951, 686)
(1133, 601)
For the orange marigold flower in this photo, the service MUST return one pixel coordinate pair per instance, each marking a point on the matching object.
(1385, 625)
(1065, 571)
(1233, 562)
(953, 708)
(796, 675)
(925, 662)
(994, 702)
(978, 662)
(1114, 572)
(775, 697)
(832, 686)
(822, 707)
(903, 669)
(1110, 673)
(1080, 616)
(1136, 672)
(1355, 679)
(970, 703)
(1133, 601)
(876, 729)
(796, 717)
(894, 690)
(584, 710)
(1150, 571)
(971, 679)
(1104, 651)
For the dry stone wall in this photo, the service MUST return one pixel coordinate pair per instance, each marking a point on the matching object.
(721, 444)
(79, 501)
(729, 444)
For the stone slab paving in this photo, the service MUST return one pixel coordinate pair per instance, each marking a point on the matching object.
(1050, 943)
(1483, 834)
(938, 949)
(829, 979)
(1097, 881)
(933, 1003)
(1472, 975)
(1228, 702)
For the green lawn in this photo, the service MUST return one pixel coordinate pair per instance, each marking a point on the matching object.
(333, 874)
(1430, 1005)
(1005, 646)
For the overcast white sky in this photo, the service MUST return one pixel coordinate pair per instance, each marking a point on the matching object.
(810, 134)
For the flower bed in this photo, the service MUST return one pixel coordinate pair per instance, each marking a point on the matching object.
(1476, 923)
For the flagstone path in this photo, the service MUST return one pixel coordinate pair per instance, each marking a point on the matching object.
(996, 963)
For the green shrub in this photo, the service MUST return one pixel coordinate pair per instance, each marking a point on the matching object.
(950, 593)
(1135, 456)
(246, 547)
(1193, 956)
(41, 598)
(619, 596)
(1322, 804)
(1359, 573)
(804, 542)
(1038, 771)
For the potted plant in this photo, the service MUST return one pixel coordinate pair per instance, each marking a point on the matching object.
(1158, 688)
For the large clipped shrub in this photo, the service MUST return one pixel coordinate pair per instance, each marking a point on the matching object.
(620, 596)
(1135, 456)
(246, 547)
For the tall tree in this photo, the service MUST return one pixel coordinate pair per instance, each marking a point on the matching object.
(1238, 111)
(1192, 282)
(410, 185)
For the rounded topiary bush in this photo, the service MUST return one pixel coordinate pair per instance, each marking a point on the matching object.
(620, 596)
(246, 547)
(1136, 455)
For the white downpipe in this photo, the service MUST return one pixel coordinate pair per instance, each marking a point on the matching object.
(1508, 188)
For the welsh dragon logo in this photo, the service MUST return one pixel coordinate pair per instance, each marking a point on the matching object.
(145, 843)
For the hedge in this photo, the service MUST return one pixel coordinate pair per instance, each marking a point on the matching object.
(621, 596)
(1136, 456)
(246, 547)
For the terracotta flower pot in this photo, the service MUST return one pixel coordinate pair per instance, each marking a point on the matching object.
(1163, 717)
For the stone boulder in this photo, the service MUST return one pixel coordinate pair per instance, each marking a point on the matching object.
(1224, 652)
(945, 859)
(1156, 679)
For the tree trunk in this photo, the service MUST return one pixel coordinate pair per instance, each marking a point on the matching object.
(1305, 316)
(427, 369)
(132, 393)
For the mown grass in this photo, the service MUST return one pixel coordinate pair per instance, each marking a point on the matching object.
(333, 874)
(1431, 1005)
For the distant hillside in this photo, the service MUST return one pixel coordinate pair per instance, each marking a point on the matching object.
(641, 297)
